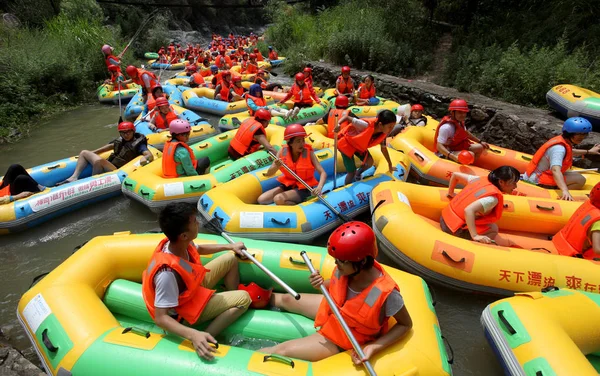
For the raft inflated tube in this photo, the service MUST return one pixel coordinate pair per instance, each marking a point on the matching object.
(166, 66)
(367, 110)
(554, 332)
(137, 106)
(572, 101)
(88, 317)
(277, 62)
(107, 93)
(202, 99)
(151, 55)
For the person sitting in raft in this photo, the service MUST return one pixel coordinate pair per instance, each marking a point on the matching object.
(17, 184)
(366, 92)
(550, 164)
(244, 63)
(205, 68)
(178, 159)
(109, 58)
(364, 293)
(251, 136)
(163, 116)
(176, 287)
(223, 61)
(196, 79)
(302, 95)
(128, 146)
(259, 56)
(237, 90)
(407, 115)
(223, 89)
(472, 213)
(581, 235)
(301, 159)
(344, 85)
(416, 116)
(143, 78)
(451, 135)
(116, 77)
(361, 134)
(255, 101)
(340, 110)
(273, 54)
(308, 77)
(252, 65)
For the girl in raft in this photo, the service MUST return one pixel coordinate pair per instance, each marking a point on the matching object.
(366, 296)
(255, 101)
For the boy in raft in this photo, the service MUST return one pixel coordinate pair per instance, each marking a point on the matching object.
(361, 134)
(224, 90)
(251, 136)
(366, 296)
(196, 79)
(259, 56)
(302, 95)
(178, 159)
(366, 92)
(17, 184)
(581, 235)
(344, 85)
(223, 61)
(301, 159)
(452, 137)
(116, 77)
(163, 116)
(255, 101)
(550, 164)
(341, 110)
(472, 213)
(125, 148)
(252, 65)
(143, 78)
(176, 286)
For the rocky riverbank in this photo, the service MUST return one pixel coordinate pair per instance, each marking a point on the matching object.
(13, 362)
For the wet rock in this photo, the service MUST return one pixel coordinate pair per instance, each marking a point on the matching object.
(13, 363)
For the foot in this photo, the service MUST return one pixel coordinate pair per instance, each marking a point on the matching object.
(69, 180)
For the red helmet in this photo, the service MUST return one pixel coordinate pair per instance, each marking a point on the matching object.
(256, 50)
(126, 126)
(595, 195)
(341, 101)
(300, 76)
(192, 68)
(260, 297)
(226, 73)
(260, 71)
(294, 130)
(466, 157)
(308, 70)
(262, 114)
(345, 69)
(236, 79)
(132, 71)
(113, 68)
(154, 87)
(252, 56)
(352, 241)
(162, 101)
(458, 105)
(416, 107)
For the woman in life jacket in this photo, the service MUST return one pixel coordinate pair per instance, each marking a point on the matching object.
(344, 85)
(223, 89)
(255, 101)
(178, 159)
(17, 184)
(472, 213)
(549, 167)
(365, 95)
(301, 159)
(366, 296)
(157, 92)
(238, 92)
(125, 148)
(302, 95)
(163, 115)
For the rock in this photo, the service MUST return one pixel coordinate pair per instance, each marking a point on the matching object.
(13, 363)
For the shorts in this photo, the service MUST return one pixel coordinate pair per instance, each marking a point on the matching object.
(302, 105)
(463, 232)
(349, 163)
(303, 193)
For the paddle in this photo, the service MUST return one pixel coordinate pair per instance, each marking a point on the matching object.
(342, 216)
(120, 108)
(214, 226)
(585, 170)
(339, 317)
(335, 152)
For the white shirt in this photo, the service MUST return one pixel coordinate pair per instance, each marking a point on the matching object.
(554, 156)
(165, 286)
(446, 133)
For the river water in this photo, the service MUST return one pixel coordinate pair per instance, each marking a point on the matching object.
(27, 254)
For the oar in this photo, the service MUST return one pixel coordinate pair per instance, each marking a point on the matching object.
(584, 170)
(335, 151)
(120, 108)
(339, 317)
(342, 216)
(214, 226)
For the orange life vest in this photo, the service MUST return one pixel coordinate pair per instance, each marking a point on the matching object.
(205, 72)
(301, 95)
(162, 121)
(273, 55)
(112, 57)
(362, 313)
(169, 165)
(546, 177)
(225, 91)
(197, 79)
(251, 68)
(460, 140)
(220, 61)
(303, 167)
(194, 298)
(569, 241)
(260, 102)
(261, 81)
(139, 79)
(239, 90)
(5, 191)
(259, 57)
(309, 81)
(242, 141)
(364, 93)
(331, 120)
(350, 141)
(344, 86)
(244, 66)
(454, 213)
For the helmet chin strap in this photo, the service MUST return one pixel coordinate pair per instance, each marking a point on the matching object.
(358, 271)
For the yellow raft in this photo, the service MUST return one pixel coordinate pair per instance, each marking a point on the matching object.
(553, 332)
(407, 228)
(108, 94)
(571, 101)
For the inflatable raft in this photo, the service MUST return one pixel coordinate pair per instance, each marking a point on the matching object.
(88, 317)
(428, 168)
(553, 332)
(277, 62)
(166, 66)
(235, 203)
(149, 187)
(108, 94)
(55, 201)
(407, 228)
(151, 55)
(137, 106)
(202, 99)
(364, 111)
(571, 101)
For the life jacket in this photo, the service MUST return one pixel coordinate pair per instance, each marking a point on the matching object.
(225, 91)
(344, 86)
(193, 298)
(112, 57)
(546, 177)
(4, 191)
(351, 141)
(259, 57)
(220, 61)
(239, 90)
(251, 68)
(416, 121)
(205, 72)
(301, 95)
(163, 59)
(261, 81)
(454, 213)
(260, 102)
(303, 167)
(169, 165)
(331, 120)
(273, 55)
(162, 121)
(362, 313)
(196, 80)
(125, 151)
(244, 66)
(569, 241)
(242, 142)
(140, 81)
(309, 81)
(460, 140)
(364, 93)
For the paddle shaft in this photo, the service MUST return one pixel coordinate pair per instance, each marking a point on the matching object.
(339, 317)
(335, 152)
(584, 170)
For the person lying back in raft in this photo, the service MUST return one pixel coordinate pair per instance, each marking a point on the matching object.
(163, 116)
(176, 286)
(255, 101)
(178, 159)
(302, 94)
(301, 159)
(17, 184)
(452, 137)
(251, 135)
(366, 296)
(344, 85)
(472, 213)
(340, 110)
(361, 134)
(365, 95)
(128, 146)
(549, 167)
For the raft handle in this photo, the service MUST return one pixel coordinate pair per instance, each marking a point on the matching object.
(541, 249)
(297, 262)
(53, 167)
(274, 220)
(321, 156)
(525, 157)
(203, 146)
(511, 330)
(140, 332)
(204, 205)
(197, 130)
(127, 184)
(46, 340)
(37, 278)
(447, 343)
(419, 156)
(549, 289)
(197, 187)
(281, 358)
(225, 137)
(495, 151)
(551, 208)
(445, 254)
(144, 193)
(575, 95)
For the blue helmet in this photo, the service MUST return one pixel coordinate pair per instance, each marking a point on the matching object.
(255, 90)
(214, 68)
(270, 47)
(577, 125)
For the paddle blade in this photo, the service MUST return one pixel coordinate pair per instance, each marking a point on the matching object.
(213, 225)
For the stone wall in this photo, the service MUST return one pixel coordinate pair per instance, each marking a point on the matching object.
(13, 363)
